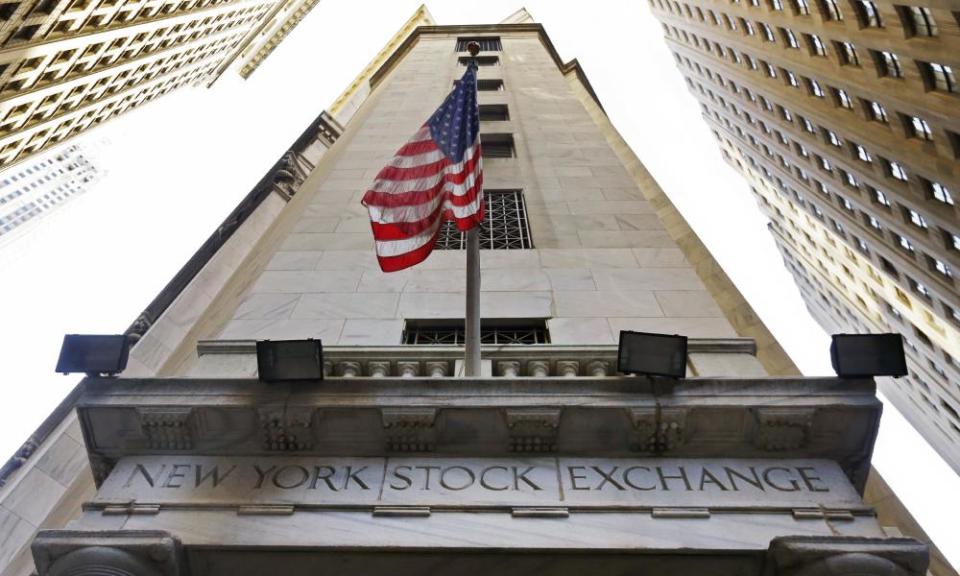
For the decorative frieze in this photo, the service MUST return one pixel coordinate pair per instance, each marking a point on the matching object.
(286, 429)
(409, 429)
(167, 428)
(779, 429)
(533, 429)
(658, 429)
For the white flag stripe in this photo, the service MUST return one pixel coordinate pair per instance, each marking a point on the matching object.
(387, 214)
(418, 212)
(400, 186)
(396, 247)
(418, 160)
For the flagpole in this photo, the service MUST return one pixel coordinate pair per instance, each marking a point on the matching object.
(471, 361)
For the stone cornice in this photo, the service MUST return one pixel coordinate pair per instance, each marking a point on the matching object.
(573, 66)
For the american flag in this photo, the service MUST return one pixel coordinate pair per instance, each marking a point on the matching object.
(437, 175)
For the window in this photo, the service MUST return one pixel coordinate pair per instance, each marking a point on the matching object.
(917, 20)
(489, 85)
(877, 112)
(492, 331)
(918, 127)
(915, 218)
(939, 192)
(776, 5)
(904, 243)
(808, 126)
(767, 32)
(494, 113)
(862, 153)
(919, 288)
(815, 88)
(874, 223)
(487, 44)
(497, 145)
(940, 267)
(504, 224)
(888, 64)
(817, 47)
(848, 54)
(481, 60)
(789, 38)
(897, 170)
(801, 7)
(951, 240)
(792, 79)
(842, 98)
(849, 179)
(771, 71)
(939, 77)
(833, 139)
(831, 11)
(868, 14)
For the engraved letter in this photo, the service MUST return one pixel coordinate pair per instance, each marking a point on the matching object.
(468, 481)
(299, 471)
(793, 484)
(146, 475)
(607, 478)
(177, 472)
(488, 486)
(809, 479)
(629, 482)
(707, 476)
(215, 473)
(328, 472)
(755, 482)
(575, 477)
(351, 475)
(518, 476)
(407, 482)
(426, 480)
(681, 476)
(262, 475)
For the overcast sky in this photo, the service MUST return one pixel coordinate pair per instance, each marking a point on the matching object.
(179, 165)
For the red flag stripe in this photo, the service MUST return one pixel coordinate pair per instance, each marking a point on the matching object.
(404, 229)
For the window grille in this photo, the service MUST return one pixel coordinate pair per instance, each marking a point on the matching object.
(505, 225)
(495, 85)
(492, 331)
(494, 113)
(497, 145)
(481, 60)
(487, 44)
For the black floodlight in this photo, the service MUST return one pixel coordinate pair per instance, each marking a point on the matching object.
(652, 354)
(859, 355)
(93, 354)
(287, 360)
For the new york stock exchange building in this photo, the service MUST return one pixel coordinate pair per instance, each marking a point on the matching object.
(191, 462)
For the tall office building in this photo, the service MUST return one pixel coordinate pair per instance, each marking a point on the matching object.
(385, 459)
(67, 65)
(844, 116)
(31, 190)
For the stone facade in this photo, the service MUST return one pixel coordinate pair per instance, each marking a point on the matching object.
(549, 462)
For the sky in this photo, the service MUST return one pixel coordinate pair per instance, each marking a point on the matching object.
(177, 166)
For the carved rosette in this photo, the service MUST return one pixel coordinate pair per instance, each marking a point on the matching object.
(409, 429)
(781, 429)
(167, 428)
(533, 429)
(114, 552)
(285, 429)
(657, 429)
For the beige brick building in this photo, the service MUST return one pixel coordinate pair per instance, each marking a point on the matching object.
(67, 65)
(844, 116)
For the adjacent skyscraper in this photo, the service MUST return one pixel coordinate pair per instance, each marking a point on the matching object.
(844, 116)
(67, 65)
(29, 191)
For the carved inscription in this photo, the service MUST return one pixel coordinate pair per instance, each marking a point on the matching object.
(480, 482)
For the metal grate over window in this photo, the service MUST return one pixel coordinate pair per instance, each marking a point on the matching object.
(487, 44)
(504, 225)
(493, 331)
